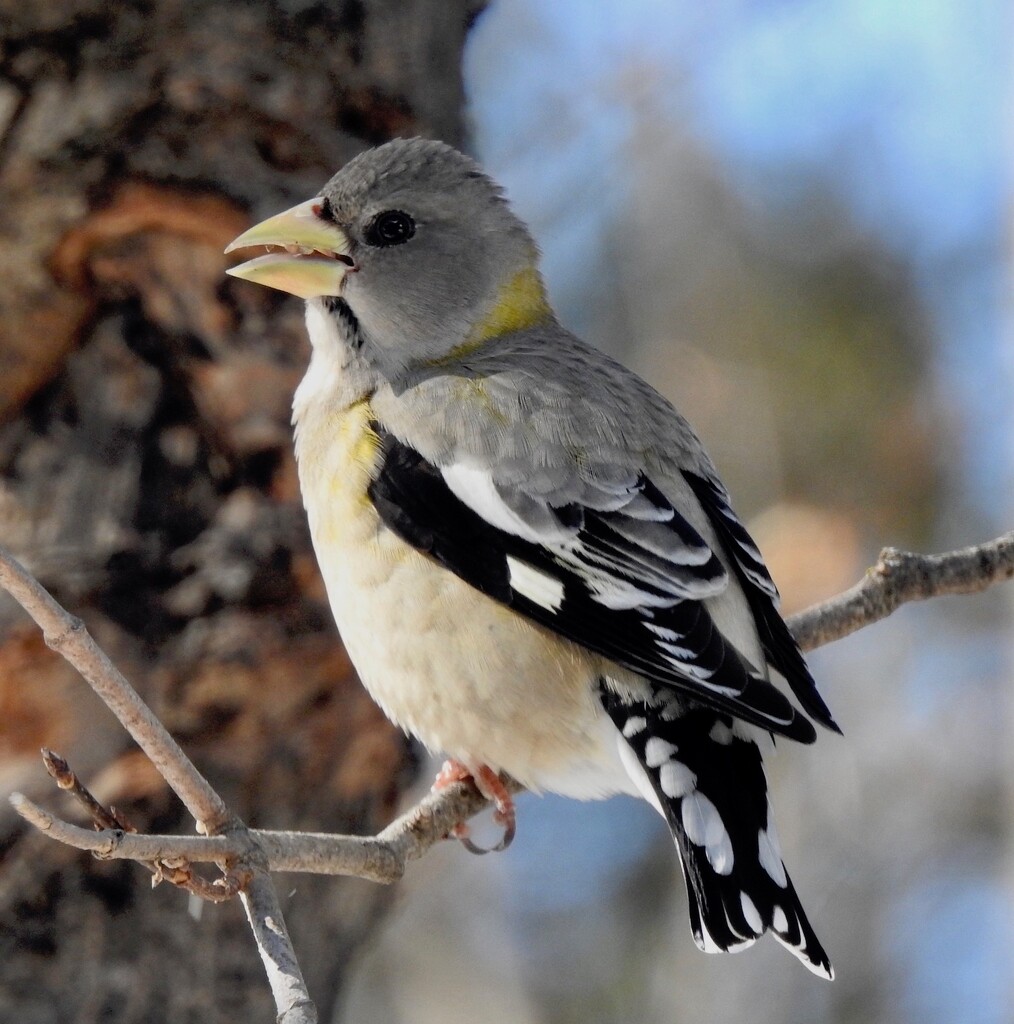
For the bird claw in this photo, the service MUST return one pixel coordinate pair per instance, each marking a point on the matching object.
(461, 833)
(489, 784)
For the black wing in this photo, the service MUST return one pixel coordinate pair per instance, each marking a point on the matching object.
(626, 578)
(780, 647)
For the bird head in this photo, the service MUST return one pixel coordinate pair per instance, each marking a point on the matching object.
(411, 249)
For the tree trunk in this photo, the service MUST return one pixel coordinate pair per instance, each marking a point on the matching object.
(146, 473)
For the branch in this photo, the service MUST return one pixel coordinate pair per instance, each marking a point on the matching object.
(67, 635)
(899, 577)
(292, 999)
(381, 858)
(115, 844)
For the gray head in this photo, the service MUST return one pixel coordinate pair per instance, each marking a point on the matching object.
(412, 248)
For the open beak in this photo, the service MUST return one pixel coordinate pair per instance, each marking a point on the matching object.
(312, 258)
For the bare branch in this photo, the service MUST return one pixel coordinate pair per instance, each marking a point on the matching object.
(169, 865)
(323, 853)
(67, 635)
(113, 844)
(899, 577)
(432, 819)
(277, 954)
(381, 858)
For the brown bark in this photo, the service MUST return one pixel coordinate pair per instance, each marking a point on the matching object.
(146, 472)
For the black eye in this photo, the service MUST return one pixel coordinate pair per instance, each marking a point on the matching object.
(392, 227)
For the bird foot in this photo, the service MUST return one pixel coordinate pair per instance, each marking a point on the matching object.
(490, 785)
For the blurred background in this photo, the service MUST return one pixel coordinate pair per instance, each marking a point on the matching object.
(792, 216)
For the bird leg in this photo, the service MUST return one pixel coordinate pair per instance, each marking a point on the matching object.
(489, 784)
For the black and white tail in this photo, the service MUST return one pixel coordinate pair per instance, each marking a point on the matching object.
(708, 782)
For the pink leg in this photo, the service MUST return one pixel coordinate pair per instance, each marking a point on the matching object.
(450, 772)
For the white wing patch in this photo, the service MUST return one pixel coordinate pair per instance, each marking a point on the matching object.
(634, 725)
(751, 913)
(597, 554)
(541, 589)
(475, 487)
(617, 595)
(721, 733)
(645, 557)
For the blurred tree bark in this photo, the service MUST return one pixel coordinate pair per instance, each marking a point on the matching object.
(146, 473)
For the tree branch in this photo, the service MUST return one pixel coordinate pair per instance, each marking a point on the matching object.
(115, 844)
(67, 635)
(292, 999)
(251, 854)
(381, 858)
(899, 577)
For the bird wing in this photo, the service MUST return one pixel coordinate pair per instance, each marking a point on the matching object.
(780, 648)
(618, 571)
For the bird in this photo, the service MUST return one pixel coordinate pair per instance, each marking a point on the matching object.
(530, 557)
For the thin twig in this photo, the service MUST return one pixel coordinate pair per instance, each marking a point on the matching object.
(113, 844)
(66, 779)
(67, 635)
(899, 577)
(381, 858)
(292, 999)
(176, 869)
(182, 875)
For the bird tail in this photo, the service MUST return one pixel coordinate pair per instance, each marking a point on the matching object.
(706, 778)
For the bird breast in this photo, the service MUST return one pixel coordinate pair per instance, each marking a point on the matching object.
(447, 664)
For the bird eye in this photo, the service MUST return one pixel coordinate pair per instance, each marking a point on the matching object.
(390, 228)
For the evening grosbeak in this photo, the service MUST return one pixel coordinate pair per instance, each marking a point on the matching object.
(529, 555)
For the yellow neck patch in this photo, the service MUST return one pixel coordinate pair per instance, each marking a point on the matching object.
(522, 303)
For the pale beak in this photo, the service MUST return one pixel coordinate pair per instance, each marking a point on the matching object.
(315, 256)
